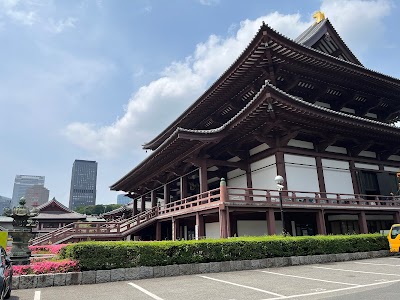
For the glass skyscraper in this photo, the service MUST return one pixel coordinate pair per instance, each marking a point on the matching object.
(83, 184)
(22, 183)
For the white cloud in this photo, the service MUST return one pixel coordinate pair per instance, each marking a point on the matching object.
(358, 22)
(156, 105)
(210, 2)
(19, 12)
(60, 25)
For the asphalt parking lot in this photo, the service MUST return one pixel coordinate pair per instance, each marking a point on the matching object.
(364, 279)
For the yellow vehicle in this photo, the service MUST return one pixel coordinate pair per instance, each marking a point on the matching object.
(394, 238)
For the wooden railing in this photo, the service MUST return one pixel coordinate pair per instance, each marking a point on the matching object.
(211, 199)
(196, 202)
(91, 229)
(294, 198)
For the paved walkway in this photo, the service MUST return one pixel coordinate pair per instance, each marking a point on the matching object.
(365, 279)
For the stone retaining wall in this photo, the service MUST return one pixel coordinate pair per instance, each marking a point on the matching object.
(101, 276)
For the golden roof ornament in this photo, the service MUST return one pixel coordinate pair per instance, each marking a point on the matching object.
(318, 16)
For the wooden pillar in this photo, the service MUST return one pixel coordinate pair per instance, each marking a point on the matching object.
(362, 221)
(183, 186)
(143, 204)
(166, 193)
(354, 177)
(228, 223)
(203, 177)
(249, 184)
(321, 179)
(199, 225)
(281, 169)
(248, 178)
(321, 222)
(158, 231)
(175, 229)
(153, 196)
(135, 210)
(396, 217)
(271, 221)
(222, 223)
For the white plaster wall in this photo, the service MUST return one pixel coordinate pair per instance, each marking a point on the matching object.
(301, 144)
(212, 230)
(263, 173)
(366, 166)
(391, 169)
(394, 157)
(338, 181)
(300, 160)
(237, 182)
(235, 173)
(336, 164)
(336, 149)
(337, 176)
(265, 162)
(301, 173)
(264, 178)
(258, 149)
(367, 154)
(252, 228)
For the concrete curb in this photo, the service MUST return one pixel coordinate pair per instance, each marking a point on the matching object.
(101, 276)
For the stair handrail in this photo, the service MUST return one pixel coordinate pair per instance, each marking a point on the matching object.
(51, 234)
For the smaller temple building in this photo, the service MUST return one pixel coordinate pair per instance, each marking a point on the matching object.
(54, 215)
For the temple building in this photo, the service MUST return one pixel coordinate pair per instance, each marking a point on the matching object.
(304, 109)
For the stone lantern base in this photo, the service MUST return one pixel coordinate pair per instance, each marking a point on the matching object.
(20, 252)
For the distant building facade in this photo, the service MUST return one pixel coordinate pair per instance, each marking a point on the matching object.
(5, 202)
(36, 195)
(83, 184)
(22, 183)
(122, 199)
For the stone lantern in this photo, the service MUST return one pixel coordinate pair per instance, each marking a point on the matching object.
(21, 232)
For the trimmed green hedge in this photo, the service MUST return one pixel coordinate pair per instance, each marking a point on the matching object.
(113, 255)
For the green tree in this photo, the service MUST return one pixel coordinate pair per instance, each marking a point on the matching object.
(97, 209)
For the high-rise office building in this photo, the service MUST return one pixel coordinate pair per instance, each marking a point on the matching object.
(122, 199)
(22, 183)
(5, 202)
(83, 184)
(36, 195)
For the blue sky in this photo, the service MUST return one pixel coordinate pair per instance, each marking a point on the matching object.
(97, 79)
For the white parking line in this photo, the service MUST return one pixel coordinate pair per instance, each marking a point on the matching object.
(308, 278)
(144, 291)
(333, 291)
(243, 286)
(354, 271)
(364, 263)
(37, 295)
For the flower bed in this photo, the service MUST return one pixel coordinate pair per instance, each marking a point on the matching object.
(45, 267)
(44, 264)
(47, 249)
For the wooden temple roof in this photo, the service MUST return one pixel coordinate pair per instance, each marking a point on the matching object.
(270, 53)
(324, 37)
(259, 115)
(54, 210)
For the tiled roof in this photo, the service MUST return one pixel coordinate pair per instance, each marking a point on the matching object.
(59, 215)
(310, 32)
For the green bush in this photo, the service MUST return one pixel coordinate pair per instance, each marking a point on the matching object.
(112, 255)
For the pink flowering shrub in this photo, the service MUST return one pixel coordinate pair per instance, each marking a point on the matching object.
(47, 249)
(44, 267)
